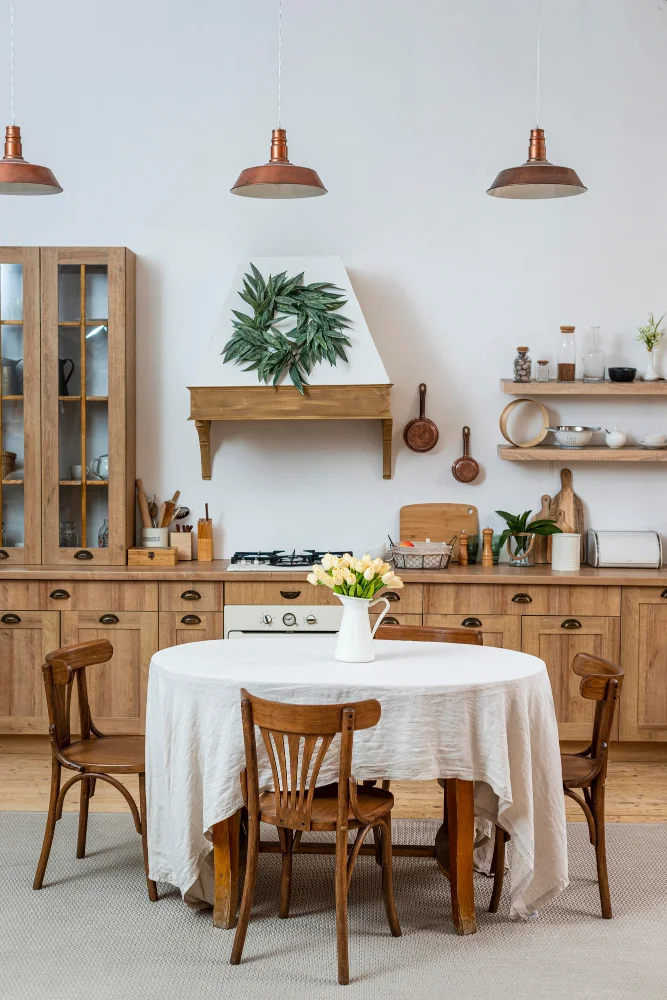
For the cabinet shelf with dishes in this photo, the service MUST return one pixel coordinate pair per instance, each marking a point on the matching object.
(589, 453)
(581, 388)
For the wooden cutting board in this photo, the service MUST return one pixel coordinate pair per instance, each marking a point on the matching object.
(541, 547)
(437, 521)
(567, 510)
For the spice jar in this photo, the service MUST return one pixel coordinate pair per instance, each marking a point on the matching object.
(522, 365)
(542, 374)
(567, 354)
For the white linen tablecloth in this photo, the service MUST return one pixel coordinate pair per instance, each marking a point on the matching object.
(477, 713)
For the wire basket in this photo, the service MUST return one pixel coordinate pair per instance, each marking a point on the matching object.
(8, 463)
(423, 555)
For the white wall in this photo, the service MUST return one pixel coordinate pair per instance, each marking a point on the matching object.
(148, 110)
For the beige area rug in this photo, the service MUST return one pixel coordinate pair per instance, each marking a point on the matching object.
(91, 933)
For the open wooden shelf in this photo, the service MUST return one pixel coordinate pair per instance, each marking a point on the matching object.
(552, 453)
(77, 399)
(12, 482)
(581, 388)
(7, 398)
(89, 482)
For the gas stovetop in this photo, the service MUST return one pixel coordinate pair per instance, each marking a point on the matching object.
(276, 560)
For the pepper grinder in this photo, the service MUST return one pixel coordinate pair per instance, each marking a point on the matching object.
(463, 548)
(487, 550)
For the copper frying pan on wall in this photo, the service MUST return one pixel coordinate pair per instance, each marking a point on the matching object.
(465, 469)
(421, 434)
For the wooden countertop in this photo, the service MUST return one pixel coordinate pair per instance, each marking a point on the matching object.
(218, 570)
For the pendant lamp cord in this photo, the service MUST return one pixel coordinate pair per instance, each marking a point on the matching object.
(280, 55)
(11, 21)
(539, 33)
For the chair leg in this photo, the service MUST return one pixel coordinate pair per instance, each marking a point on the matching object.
(601, 849)
(84, 796)
(498, 870)
(377, 840)
(248, 890)
(50, 825)
(388, 879)
(286, 843)
(341, 907)
(152, 887)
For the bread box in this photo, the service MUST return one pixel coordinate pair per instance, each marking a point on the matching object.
(624, 548)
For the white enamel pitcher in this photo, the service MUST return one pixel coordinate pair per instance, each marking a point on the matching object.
(355, 639)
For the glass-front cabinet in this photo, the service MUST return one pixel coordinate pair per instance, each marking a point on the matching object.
(88, 423)
(20, 406)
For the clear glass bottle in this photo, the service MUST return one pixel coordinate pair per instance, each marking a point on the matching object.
(594, 358)
(522, 365)
(103, 535)
(567, 354)
(542, 374)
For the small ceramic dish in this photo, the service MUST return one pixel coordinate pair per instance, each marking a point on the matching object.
(622, 374)
(573, 437)
(652, 440)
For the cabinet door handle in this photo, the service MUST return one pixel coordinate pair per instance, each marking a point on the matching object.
(191, 595)
(10, 619)
(664, 593)
(83, 554)
(59, 594)
(290, 595)
(3, 554)
(571, 623)
(471, 623)
(390, 620)
(391, 595)
(522, 599)
(190, 620)
(109, 620)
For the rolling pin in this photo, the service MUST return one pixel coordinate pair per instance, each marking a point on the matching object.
(143, 505)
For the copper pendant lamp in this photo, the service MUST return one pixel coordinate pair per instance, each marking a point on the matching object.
(279, 178)
(537, 177)
(17, 176)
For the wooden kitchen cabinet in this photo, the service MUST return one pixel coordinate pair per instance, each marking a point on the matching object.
(391, 619)
(644, 658)
(117, 689)
(25, 639)
(521, 599)
(497, 630)
(557, 640)
(177, 628)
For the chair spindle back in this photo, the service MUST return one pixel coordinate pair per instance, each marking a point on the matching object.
(62, 666)
(601, 681)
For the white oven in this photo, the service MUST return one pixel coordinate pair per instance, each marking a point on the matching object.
(243, 621)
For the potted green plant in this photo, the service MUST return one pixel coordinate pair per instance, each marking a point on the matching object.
(522, 533)
(650, 336)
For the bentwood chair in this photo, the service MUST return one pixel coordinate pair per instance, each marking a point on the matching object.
(297, 739)
(93, 757)
(601, 681)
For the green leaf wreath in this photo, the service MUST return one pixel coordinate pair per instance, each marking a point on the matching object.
(320, 333)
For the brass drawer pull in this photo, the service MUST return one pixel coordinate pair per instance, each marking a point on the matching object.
(390, 620)
(109, 620)
(290, 595)
(664, 593)
(59, 594)
(522, 599)
(191, 595)
(571, 623)
(10, 619)
(83, 554)
(471, 623)
(190, 620)
(3, 554)
(391, 595)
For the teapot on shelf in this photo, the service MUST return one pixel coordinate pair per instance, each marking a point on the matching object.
(100, 467)
(614, 438)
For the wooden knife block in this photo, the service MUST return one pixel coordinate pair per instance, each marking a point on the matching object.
(204, 539)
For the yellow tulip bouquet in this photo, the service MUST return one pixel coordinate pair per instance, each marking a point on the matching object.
(354, 577)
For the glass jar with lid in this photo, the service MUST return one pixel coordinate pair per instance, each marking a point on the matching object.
(542, 373)
(567, 354)
(522, 365)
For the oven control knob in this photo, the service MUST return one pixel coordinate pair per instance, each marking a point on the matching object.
(267, 620)
(289, 619)
(311, 620)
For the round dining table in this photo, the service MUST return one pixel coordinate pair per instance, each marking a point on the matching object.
(480, 718)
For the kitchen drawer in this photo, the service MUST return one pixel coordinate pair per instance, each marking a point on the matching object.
(176, 628)
(392, 619)
(406, 601)
(17, 596)
(521, 599)
(75, 595)
(497, 630)
(190, 597)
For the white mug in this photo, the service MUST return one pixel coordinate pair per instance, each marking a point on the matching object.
(651, 440)
(100, 466)
(155, 538)
(76, 470)
(566, 552)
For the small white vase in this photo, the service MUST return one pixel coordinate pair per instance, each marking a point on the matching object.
(650, 375)
(355, 639)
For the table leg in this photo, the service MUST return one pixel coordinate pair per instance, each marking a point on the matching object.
(458, 831)
(226, 871)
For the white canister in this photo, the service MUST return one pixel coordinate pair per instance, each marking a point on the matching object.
(566, 552)
(155, 538)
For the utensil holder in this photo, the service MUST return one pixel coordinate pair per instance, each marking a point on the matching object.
(155, 538)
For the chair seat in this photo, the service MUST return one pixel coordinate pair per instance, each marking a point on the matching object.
(373, 802)
(577, 771)
(110, 754)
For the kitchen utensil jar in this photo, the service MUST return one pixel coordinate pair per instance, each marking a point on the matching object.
(567, 354)
(565, 552)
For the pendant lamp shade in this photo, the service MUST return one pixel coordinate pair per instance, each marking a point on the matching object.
(17, 176)
(537, 178)
(279, 178)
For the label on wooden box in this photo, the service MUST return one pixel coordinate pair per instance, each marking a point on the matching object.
(152, 557)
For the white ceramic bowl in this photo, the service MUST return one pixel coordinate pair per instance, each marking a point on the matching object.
(651, 440)
(573, 437)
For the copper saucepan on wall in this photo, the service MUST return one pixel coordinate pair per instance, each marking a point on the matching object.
(421, 434)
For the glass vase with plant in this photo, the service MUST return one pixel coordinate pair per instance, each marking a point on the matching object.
(650, 336)
(521, 533)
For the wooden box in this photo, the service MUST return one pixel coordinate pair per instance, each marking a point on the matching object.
(182, 542)
(152, 557)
